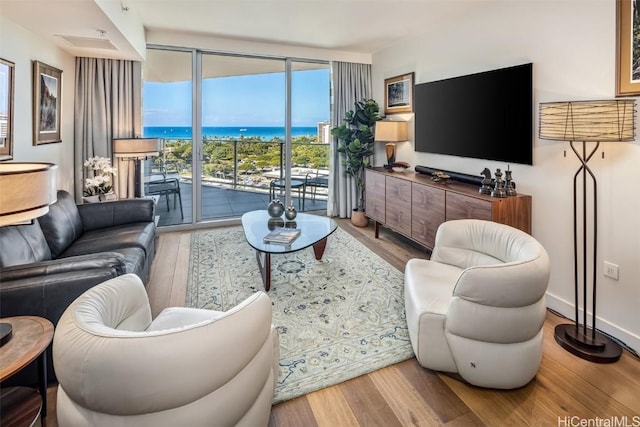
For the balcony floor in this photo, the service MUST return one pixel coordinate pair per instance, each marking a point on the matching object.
(218, 203)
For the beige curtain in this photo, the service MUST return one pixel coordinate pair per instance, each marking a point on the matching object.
(107, 105)
(350, 83)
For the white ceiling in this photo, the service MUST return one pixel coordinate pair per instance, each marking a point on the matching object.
(363, 26)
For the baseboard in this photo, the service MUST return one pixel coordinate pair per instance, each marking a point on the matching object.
(567, 309)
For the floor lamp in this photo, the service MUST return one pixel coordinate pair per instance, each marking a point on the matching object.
(136, 149)
(390, 132)
(26, 191)
(587, 121)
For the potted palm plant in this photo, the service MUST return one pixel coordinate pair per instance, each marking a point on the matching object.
(356, 142)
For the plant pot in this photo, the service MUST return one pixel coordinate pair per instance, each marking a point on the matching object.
(359, 219)
(91, 199)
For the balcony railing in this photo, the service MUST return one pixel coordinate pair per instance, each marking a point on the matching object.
(242, 164)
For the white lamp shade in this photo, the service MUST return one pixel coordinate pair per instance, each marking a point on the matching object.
(391, 131)
(26, 191)
(589, 121)
(136, 147)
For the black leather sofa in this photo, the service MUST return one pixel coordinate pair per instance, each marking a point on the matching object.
(47, 264)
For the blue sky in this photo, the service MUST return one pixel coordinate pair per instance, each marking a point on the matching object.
(252, 100)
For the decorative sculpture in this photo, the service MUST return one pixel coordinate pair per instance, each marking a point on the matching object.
(290, 213)
(498, 190)
(275, 208)
(486, 182)
(440, 177)
(510, 186)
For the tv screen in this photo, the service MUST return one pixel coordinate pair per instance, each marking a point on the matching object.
(487, 115)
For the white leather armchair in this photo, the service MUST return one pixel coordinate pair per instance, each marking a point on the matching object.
(187, 367)
(477, 307)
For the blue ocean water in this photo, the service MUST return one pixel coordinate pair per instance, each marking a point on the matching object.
(265, 132)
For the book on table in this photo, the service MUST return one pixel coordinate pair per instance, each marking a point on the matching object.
(282, 236)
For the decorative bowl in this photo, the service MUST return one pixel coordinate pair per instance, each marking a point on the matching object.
(398, 168)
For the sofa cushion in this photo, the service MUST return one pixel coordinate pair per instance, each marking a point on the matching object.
(23, 244)
(135, 235)
(61, 225)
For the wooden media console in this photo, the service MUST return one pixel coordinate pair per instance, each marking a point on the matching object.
(414, 205)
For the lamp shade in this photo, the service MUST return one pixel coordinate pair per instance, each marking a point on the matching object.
(136, 147)
(588, 121)
(26, 191)
(391, 131)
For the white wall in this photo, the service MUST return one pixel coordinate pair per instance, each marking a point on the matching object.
(219, 44)
(572, 46)
(21, 47)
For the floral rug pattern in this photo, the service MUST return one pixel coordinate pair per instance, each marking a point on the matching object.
(338, 318)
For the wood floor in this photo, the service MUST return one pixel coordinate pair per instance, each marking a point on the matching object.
(567, 391)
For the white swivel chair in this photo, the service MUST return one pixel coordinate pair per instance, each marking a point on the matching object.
(477, 307)
(187, 367)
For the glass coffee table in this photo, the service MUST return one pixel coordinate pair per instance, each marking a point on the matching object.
(314, 231)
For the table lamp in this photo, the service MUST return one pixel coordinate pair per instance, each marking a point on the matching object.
(587, 121)
(26, 191)
(136, 149)
(390, 132)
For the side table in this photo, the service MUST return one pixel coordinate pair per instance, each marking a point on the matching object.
(296, 184)
(31, 337)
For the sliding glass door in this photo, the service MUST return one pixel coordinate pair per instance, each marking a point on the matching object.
(224, 121)
(243, 130)
(168, 115)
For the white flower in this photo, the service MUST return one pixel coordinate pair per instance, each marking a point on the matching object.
(100, 174)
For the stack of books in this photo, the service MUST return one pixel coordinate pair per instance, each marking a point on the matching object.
(282, 236)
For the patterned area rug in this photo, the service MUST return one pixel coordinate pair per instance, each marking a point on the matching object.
(338, 318)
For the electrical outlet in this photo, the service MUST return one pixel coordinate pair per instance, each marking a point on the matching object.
(611, 270)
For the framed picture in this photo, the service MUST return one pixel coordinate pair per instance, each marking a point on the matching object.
(6, 109)
(47, 91)
(627, 51)
(398, 94)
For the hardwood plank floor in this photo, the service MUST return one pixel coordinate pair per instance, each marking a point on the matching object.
(405, 394)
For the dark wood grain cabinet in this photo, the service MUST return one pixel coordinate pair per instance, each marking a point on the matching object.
(413, 205)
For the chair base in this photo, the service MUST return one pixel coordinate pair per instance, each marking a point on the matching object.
(602, 349)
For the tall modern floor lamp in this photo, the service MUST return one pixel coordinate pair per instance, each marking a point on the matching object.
(136, 149)
(26, 191)
(587, 121)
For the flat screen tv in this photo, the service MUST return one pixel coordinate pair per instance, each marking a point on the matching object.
(487, 115)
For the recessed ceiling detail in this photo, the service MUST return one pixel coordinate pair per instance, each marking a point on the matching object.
(88, 42)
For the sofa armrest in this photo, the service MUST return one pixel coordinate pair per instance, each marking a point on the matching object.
(109, 214)
(80, 264)
(46, 289)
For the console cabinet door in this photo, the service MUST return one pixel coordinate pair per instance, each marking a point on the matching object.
(460, 206)
(427, 213)
(398, 213)
(375, 196)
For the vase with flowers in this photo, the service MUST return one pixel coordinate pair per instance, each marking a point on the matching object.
(99, 178)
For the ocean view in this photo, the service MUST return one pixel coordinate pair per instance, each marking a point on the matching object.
(234, 132)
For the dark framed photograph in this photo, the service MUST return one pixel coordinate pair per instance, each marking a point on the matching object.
(627, 51)
(7, 70)
(47, 107)
(398, 94)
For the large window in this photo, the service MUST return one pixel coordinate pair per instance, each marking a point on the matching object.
(240, 123)
(168, 114)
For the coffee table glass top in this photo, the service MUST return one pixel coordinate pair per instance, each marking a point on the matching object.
(257, 224)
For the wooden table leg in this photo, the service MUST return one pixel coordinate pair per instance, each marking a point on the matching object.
(319, 247)
(265, 268)
(42, 383)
